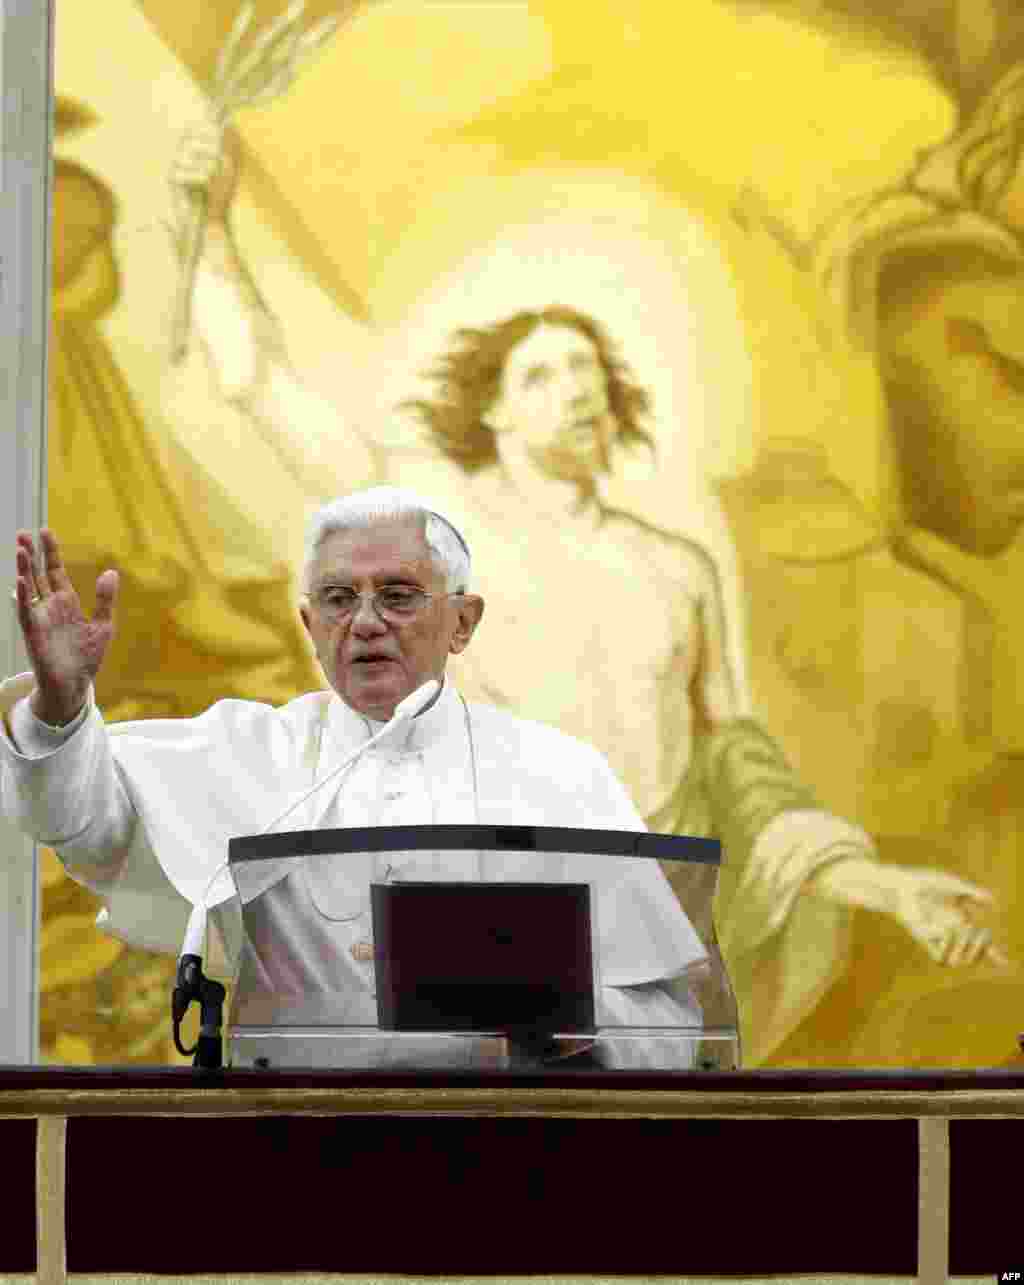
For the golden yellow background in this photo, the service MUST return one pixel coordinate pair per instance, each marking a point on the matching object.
(693, 151)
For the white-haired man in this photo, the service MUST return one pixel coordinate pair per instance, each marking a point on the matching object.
(386, 601)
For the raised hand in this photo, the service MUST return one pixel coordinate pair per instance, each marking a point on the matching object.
(65, 647)
(206, 168)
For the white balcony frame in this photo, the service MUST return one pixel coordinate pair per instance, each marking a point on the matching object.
(26, 80)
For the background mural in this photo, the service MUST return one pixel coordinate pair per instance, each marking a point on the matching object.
(704, 323)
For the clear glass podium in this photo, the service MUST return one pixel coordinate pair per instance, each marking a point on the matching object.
(473, 947)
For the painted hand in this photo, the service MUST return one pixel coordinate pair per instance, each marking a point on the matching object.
(936, 909)
(207, 166)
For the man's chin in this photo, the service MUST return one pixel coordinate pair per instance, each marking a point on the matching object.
(379, 711)
(374, 699)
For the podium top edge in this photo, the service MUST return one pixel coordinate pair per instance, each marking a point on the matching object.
(488, 838)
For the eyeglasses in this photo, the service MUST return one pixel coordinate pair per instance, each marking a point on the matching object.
(395, 604)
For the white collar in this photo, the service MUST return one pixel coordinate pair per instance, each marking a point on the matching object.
(349, 728)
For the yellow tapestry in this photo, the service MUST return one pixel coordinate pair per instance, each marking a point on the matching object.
(747, 270)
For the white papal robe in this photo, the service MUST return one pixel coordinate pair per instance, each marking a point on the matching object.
(141, 813)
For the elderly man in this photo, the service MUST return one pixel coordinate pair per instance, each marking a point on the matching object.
(386, 602)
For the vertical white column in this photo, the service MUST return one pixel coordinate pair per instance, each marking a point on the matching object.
(25, 131)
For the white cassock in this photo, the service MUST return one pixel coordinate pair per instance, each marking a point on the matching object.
(142, 812)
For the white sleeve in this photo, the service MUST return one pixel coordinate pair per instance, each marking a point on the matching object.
(61, 786)
(644, 934)
(34, 738)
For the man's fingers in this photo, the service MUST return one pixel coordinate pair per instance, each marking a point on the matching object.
(24, 590)
(27, 563)
(39, 566)
(23, 565)
(55, 570)
(23, 593)
(106, 596)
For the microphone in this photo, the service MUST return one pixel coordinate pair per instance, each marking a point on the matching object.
(190, 981)
(190, 959)
(416, 701)
(404, 711)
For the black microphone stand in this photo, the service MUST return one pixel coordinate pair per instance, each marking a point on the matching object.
(192, 985)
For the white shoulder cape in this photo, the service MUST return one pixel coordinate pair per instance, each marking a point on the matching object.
(141, 812)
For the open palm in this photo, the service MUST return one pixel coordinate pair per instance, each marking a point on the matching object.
(65, 647)
(936, 908)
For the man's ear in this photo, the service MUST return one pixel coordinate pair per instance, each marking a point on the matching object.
(470, 609)
(304, 614)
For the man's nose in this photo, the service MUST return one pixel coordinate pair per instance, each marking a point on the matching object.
(366, 619)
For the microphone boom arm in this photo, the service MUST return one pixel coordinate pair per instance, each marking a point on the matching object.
(191, 983)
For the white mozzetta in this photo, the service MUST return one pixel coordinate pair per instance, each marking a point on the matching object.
(142, 812)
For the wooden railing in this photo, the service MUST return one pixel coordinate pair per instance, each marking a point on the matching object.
(931, 1099)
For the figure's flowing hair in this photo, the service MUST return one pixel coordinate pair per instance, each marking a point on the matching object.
(468, 379)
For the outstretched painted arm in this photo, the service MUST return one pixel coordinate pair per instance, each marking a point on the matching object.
(243, 342)
(780, 843)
